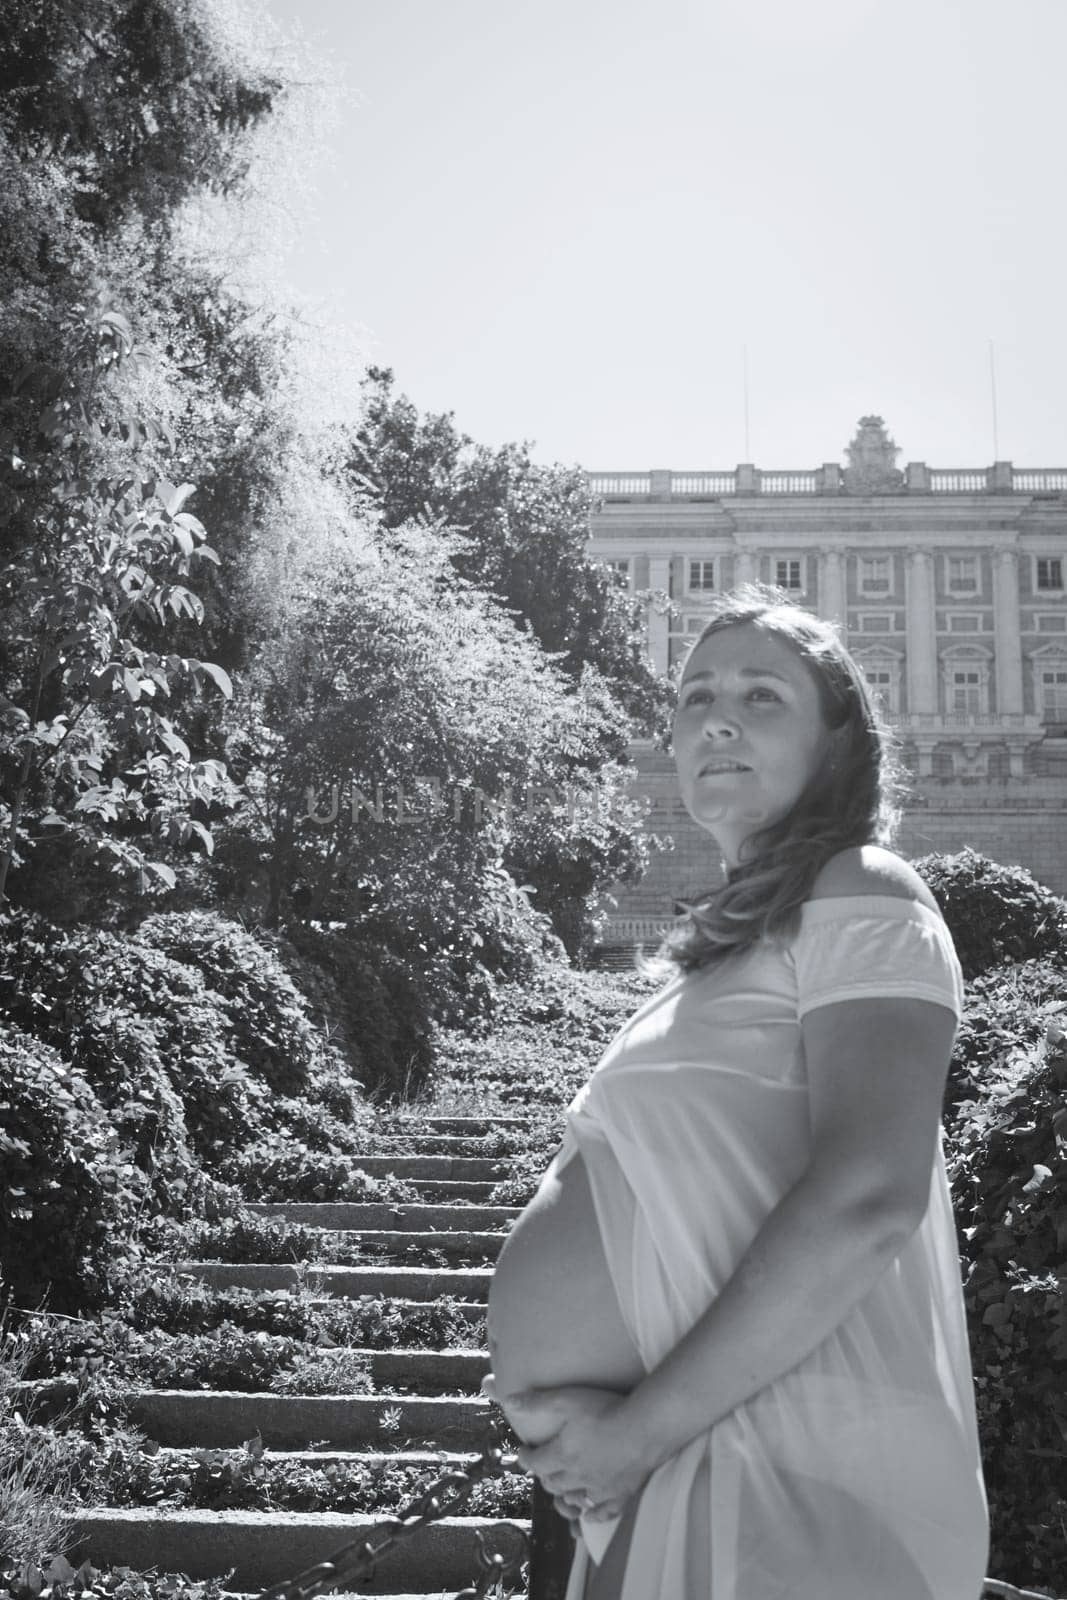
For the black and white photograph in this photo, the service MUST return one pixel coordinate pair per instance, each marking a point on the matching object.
(533, 800)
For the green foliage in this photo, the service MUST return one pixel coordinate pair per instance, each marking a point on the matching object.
(278, 1168)
(526, 531)
(60, 1581)
(185, 1306)
(244, 1479)
(140, 103)
(271, 1030)
(69, 1195)
(376, 1005)
(995, 913)
(223, 1357)
(83, 750)
(1007, 1155)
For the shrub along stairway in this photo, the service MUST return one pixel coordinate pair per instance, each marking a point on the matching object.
(442, 1425)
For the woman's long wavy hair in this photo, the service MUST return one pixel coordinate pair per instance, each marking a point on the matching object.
(853, 798)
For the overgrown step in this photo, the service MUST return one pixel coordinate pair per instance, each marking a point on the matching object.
(411, 1283)
(419, 1218)
(436, 1421)
(471, 1127)
(454, 1189)
(267, 1548)
(224, 1419)
(471, 1169)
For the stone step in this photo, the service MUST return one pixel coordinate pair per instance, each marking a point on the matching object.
(270, 1547)
(470, 1126)
(349, 1216)
(458, 1189)
(224, 1418)
(433, 1144)
(411, 1283)
(475, 1169)
(454, 1371)
(401, 1241)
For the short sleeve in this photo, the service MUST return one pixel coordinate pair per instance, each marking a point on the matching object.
(866, 947)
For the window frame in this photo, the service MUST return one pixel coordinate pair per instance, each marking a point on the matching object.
(966, 658)
(863, 585)
(789, 557)
(1050, 658)
(947, 586)
(1037, 586)
(702, 562)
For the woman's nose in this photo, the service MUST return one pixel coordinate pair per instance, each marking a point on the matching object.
(720, 724)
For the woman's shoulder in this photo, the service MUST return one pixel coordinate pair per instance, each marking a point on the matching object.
(870, 869)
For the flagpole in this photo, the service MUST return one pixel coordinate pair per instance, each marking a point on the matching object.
(744, 363)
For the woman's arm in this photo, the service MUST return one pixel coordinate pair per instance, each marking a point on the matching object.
(876, 1073)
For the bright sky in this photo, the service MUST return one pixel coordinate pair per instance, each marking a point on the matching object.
(565, 220)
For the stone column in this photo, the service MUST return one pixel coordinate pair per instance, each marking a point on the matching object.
(1009, 658)
(659, 577)
(921, 632)
(833, 601)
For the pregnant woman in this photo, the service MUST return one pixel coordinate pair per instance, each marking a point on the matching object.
(729, 1327)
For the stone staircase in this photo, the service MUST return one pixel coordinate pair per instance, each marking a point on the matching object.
(442, 1426)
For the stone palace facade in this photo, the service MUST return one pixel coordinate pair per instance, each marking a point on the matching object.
(949, 588)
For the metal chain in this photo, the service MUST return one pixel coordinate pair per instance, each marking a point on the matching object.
(357, 1559)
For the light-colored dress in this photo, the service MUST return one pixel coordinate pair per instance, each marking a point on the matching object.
(856, 1475)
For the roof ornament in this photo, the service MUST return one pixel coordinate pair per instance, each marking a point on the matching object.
(872, 460)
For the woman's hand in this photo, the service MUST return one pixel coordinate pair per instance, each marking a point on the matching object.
(588, 1461)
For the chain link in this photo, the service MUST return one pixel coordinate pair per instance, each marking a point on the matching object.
(357, 1559)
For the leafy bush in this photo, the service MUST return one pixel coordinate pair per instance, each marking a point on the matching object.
(994, 913)
(153, 1040)
(69, 1195)
(269, 1027)
(372, 1002)
(1007, 1155)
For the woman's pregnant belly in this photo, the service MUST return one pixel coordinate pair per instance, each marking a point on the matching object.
(553, 1315)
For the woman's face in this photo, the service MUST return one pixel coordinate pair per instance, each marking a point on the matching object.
(748, 733)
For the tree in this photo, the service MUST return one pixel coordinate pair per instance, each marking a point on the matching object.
(526, 528)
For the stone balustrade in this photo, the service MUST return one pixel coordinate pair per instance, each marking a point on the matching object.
(1001, 478)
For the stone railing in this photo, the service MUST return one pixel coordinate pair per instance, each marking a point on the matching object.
(1000, 478)
(961, 721)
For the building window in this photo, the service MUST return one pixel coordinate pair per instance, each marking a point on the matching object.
(1049, 572)
(876, 622)
(619, 569)
(701, 576)
(965, 674)
(1052, 692)
(962, 574)
(789, 572)
(696, 624)
(964, 622)
(966, 690)
(881, 671)
(875, 575)
(1051, 622)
